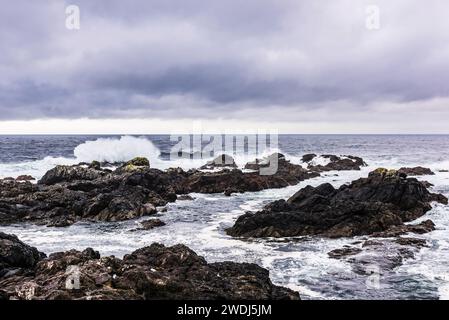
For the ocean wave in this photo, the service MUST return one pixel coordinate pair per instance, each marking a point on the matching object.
(116, 150)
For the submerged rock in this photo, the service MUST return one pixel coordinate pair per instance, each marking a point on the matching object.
(344, 252)
(67, 194)
(383, 201)
(153, 272)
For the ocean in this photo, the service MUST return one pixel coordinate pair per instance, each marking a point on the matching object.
(302, 264)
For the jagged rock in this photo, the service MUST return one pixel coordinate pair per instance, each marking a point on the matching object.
(335, 163)
(416, 171)
(95, 165)
(222, 161)
(154, 272)
(25, 178)
(70, 173)
(139, 164)
(384, 200)
(67, 194)
(308, 157)
(16, 256)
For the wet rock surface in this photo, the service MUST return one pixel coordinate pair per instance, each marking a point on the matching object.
(150, 224)
(16, 257)
(381, 203)
(89, 191)
(416, 171)
(222, 161)
(153, 272)
(334, 162)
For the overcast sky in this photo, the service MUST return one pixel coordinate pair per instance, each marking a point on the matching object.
(157, 65)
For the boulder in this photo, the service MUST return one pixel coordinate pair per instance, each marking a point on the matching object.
(67, 194)
(70, 173)
(344, 252)
(308, 157)
(150, 224)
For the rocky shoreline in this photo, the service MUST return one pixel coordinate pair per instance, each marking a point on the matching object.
(67, 194)
(381, 205)
(150, 273)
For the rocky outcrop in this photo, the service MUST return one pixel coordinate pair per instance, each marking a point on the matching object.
(150, 224)
(67, 194)
(222, 161)
(333, 162)
(344, 252)
(383, 201)
(16, 257)
(416, 171)
(262, 177)
(71, 173)
(154, 272)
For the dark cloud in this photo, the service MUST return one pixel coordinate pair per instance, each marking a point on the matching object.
(174, 59)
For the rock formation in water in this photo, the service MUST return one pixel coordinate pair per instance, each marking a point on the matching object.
(333, 162)
(379, 204)
(67, 194)
(153, 272)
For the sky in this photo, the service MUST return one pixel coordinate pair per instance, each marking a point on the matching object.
(159, 66)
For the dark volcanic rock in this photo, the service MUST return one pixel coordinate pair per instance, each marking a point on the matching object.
(272, 172)
(222, 161)
(394, 231)
(335, 163)
(16, 256)
(154, 272)
(339, 253)
(383, 201)
(416, 171)
(411, 242)
(151, 224)
(70, 173)
(25, 178)
(308, 157)
(67, 194)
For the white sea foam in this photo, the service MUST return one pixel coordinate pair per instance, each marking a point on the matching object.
(116, 150)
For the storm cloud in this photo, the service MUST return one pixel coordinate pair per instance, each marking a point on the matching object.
(254, 59)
